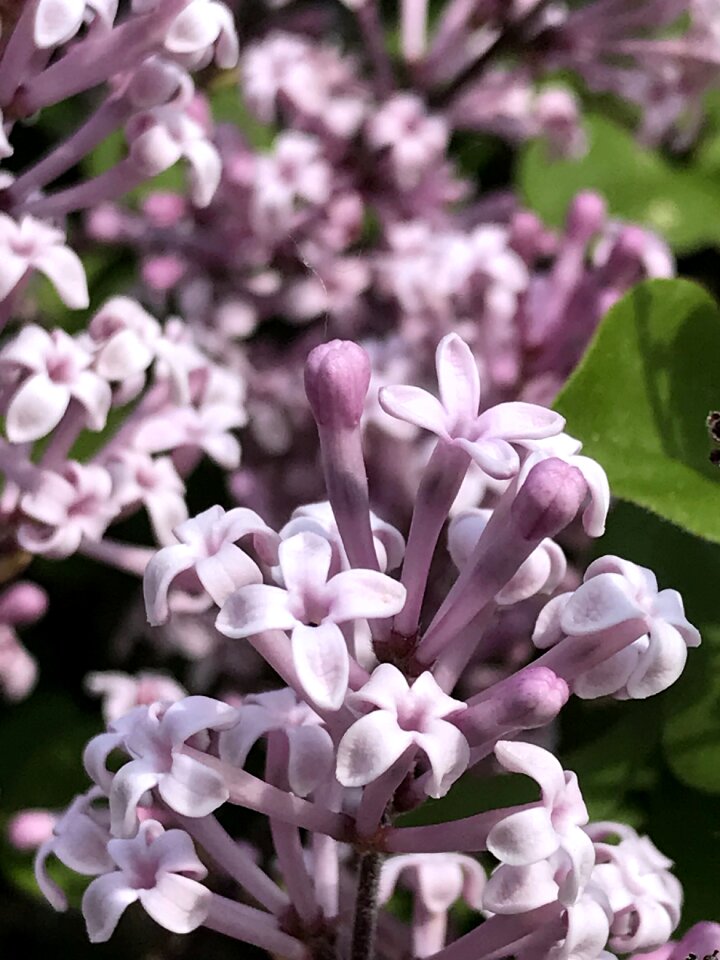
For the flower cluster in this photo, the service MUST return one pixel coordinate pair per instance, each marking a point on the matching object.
(367, 727)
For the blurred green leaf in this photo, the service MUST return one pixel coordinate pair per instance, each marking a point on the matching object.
(470, 795)
(639, 400)
(680, 203)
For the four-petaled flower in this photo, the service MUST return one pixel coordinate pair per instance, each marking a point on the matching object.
(312, 607)
(157, 867)
(32, 244)
(154, 737)
(487, 437)
(545, 855)
(406, 716)
(51, 369)
(615, 595)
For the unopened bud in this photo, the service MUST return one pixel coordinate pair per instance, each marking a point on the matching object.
(586, 216)
(22, 603)
(549, 499)
(337, 377)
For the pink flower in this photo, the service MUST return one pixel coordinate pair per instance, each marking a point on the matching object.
(32, 244)
(406, 716)
(204, 27)
(57, 21)
(439, 879)
(157, 867)
(415, 141)
(154, 737)
(137, 478)
(545, 855)
(486, 437)
(124, 337)
(312, 607)
(121, 692)
(208, 546)
(311, 752)
(615, 595)
(66, 508)
(53, 369)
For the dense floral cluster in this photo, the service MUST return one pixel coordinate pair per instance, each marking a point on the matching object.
(339, 206)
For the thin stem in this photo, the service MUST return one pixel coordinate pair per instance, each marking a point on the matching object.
(366, 907)
(251, 926)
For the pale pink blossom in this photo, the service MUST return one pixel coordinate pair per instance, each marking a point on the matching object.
(544, 853)
(138, 478)
(31, 244)
(154, 737)
(51, 369)
(158, 868)
(124, 337)
(57, 21)
(487, 438)
(120, 692)
(203, 29)
(406, 716)
(207, 545)
(312, 607)
(438, 879)
(414, 139)
(615, 595)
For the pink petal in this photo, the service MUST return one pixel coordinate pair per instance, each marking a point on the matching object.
(668, 606)
(587, 932)
(369, 748)
(595, 513)
(579, 849)
(192, 30)
(190, 715)
(95, 758)
(12, 270)
(496, 457)
(177, 903)
(160, 572)
(439, 882)
(322, 663)
(64, 269)
(513, 890)
(534, 762)
(524, 837)
(253, 609)
(448, 752)
(385, 689)
(458, 378)
(95, 395)
(227, 571)
(547, 630)
(311, 758)
(661, 665)
(610, 676)
(36, 409)
(599, 603)
(191, 788)
(224, 449)
(166, 510)
(104, 902)
(173, 852)
(205, 171)
(434, 702)
(123, 356)
(305, 560)
(363, 594)
(416, 406)
(129, 785)
(519, 421)
(31, 349)
(235, 744)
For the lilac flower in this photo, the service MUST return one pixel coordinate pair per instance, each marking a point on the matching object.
(208, 546)
(57, 21)
(121, 692)
(204, 28)
(154, 737)
(79, 840)
(157, 867)
(311, 752)
(52, 369)
(415, 141)
(312, 607)
(31, 244)
(617, 596)
(21, 603)
(406, 716)
(124, 337)
(644, 896)
(137, 478)
(66, 509)
(537, 844)
(488, 437)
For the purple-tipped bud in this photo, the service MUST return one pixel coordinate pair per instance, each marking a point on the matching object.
(549, 499)
(586, 216)
(22, 603)
(534, 697)
(625, 261)
(337, 377)
(702, 940)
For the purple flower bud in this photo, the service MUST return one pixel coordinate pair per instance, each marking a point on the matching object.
(549, 499)
(535, 697)
(337, 377)
(586, 216)
(22, 603)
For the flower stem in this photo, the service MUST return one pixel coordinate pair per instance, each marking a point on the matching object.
(366, 907)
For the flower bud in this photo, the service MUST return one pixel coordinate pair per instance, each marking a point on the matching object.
(23, 603)
(337, 377)
(549, 499)
(586, 216)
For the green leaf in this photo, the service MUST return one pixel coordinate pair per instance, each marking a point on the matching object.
(639, 185)
(639, 399)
